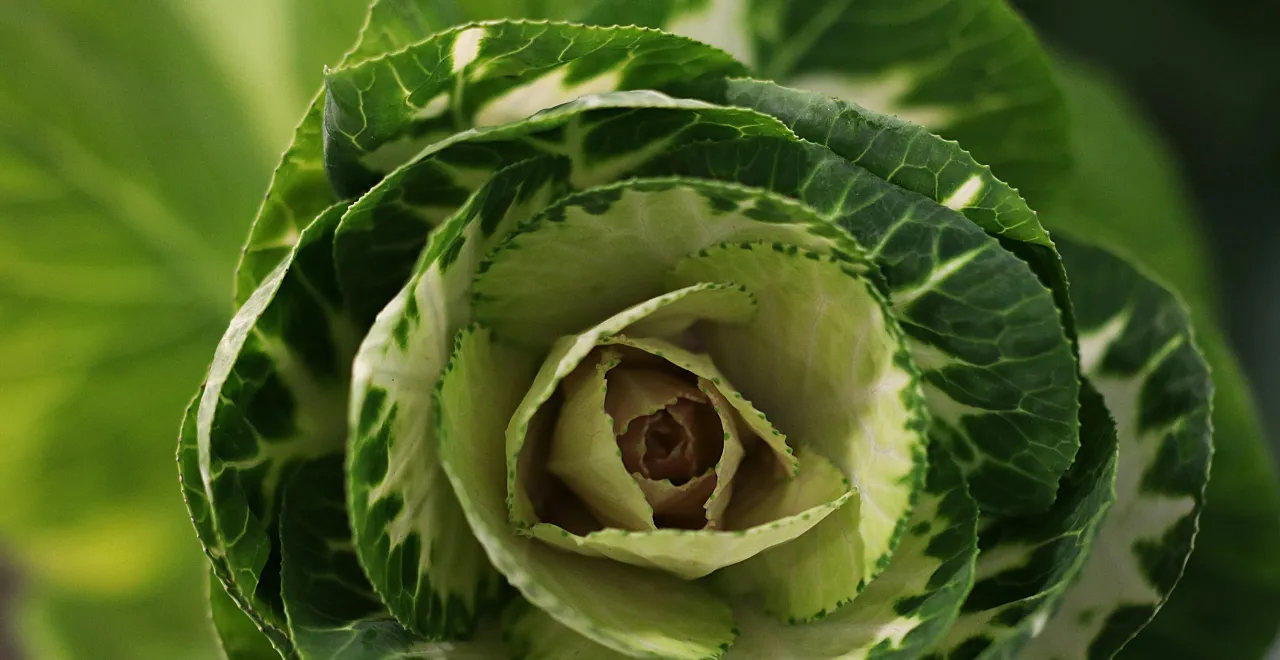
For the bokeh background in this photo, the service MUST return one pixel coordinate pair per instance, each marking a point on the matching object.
(1206, 77)
(136, 140)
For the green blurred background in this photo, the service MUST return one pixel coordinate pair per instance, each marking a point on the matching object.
(137, 138)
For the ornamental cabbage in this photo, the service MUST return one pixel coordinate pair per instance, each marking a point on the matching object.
(590, 339)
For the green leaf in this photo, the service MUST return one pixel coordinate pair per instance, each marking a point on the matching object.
(927, 61)
(298, 192)
(1226, 585)
(393, 25)
(379, 112)
(930, 63)
(333, 611)
(241, 632)
(193, 492)
(602, 138)
(627, 609)
(396, 24)
(1228, 600)
(275, 396)
(858, 405)
(1136, 347)
(982, 378)
(910, 157)
(237, 635)
(299, 189)
(531, 289)
(411, 536)
(1029, 565)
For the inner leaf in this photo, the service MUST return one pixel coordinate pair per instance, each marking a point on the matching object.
(530, 487)
(661, 423)
(584, 453)
(793, 507)
(673, 443)
(644, 456)
(643, 444)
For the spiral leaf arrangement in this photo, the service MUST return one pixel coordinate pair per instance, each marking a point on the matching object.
(589, 339)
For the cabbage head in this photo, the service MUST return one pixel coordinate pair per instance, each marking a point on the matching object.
(675, 329)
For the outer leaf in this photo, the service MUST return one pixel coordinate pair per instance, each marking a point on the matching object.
(277, 381)
(630, 610)
(602, 137)
(970, 70)
(1029, 565)
(1228, 600)
(410, 534)
(237, 635)
(1136, 346)
(240, 630)
(299, 189)
(1242, 581)
(393, 25)
(193, 492)
(935, 64)
(333, 612)
(909, 156)
(995, 360)
(380, 112)
(298, 192)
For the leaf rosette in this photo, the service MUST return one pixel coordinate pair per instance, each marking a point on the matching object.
(569, 340)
